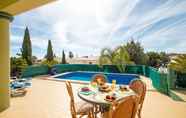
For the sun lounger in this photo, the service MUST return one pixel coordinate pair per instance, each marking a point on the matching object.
(18, 92)
(19, 87)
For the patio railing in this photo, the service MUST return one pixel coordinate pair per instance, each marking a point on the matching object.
(159, 80)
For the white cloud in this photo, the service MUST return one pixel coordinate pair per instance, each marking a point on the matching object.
(86, 26)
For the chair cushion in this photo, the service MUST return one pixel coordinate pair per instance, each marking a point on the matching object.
(83, 107)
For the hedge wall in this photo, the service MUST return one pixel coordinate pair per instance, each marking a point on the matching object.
(60, 68)
(34, 71)
(134, 69)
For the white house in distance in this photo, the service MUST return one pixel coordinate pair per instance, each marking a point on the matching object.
(83, 60)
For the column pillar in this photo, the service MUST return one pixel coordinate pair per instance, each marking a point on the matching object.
(5, 20)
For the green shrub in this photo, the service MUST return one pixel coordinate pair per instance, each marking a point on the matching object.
(178, 63)
(17, 66)
(49, 63)
(181, 80)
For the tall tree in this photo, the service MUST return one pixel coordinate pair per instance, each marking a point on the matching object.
(164, 58)
(71, 55)
(154, 59)
(50, 54)
(136, 52)
(63, 61)
(26, 50)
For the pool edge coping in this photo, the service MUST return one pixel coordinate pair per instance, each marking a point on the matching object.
(53, 78)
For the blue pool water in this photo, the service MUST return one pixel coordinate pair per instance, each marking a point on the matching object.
(86, 76)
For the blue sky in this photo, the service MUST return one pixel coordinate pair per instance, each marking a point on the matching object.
(86, 26)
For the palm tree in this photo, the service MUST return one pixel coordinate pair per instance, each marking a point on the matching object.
(106, 56)
(118, 57)
(178, 63)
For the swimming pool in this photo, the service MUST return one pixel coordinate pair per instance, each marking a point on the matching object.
(86, 76)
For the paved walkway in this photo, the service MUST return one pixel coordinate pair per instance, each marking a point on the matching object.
(49, 99)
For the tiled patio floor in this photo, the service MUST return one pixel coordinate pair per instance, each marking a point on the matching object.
(49, 99)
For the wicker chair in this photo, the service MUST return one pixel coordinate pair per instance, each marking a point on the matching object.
(126, 108)
(139, 87)
(80, 108)
(99, 79)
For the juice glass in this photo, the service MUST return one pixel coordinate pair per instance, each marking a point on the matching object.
(113, 84)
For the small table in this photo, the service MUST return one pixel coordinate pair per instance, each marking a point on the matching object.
(98, 98)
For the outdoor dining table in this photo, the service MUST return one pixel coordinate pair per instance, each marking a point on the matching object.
(97, 97)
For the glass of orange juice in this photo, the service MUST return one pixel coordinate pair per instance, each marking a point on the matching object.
(113, 84)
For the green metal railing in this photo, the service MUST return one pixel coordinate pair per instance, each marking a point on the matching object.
(159, 80)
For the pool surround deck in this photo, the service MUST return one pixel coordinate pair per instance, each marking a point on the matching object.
(49, 99)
